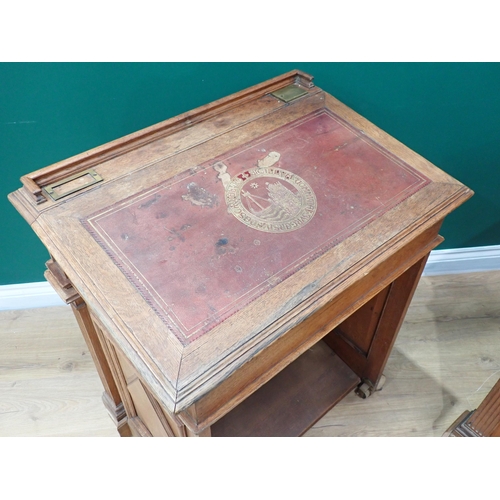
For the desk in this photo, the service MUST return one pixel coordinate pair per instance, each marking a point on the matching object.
(237, 270)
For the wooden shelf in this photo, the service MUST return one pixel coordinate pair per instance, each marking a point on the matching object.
(294, 399)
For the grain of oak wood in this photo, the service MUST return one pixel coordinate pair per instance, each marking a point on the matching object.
(445, 361)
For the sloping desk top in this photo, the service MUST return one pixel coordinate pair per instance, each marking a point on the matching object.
(200, 241)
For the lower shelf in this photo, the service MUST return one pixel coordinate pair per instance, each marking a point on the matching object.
(291, 402)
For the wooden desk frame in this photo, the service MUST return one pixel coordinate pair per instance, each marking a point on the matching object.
(278, 365)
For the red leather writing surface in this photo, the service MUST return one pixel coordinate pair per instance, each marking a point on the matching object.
(202, 245)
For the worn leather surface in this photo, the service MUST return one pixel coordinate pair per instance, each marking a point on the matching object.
(302, 189)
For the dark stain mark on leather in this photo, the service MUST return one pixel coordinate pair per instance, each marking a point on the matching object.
(150, 202)
(178, 232)
(222, 246)
(200, 196)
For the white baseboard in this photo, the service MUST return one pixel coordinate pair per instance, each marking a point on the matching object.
(28, 295)
(453, 261)
(463, 260)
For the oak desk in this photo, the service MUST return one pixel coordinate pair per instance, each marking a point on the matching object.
(239, 269)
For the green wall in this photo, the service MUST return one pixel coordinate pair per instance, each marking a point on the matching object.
(447, 112)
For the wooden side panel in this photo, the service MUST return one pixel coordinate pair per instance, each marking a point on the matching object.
(392, 304)
(359, 329)
(385, 314)
(396, 306)
(138, 429)
(145, 410)
(177, 427)
(155, 418)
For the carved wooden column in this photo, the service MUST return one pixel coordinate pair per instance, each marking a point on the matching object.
(111, 396)
(482, 422)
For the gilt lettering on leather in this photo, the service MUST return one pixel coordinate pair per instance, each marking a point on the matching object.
(204, 244)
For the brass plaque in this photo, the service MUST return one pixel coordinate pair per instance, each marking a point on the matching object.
(289, 93)
(72, 184)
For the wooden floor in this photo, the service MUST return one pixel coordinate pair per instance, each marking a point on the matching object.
(446, 359)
